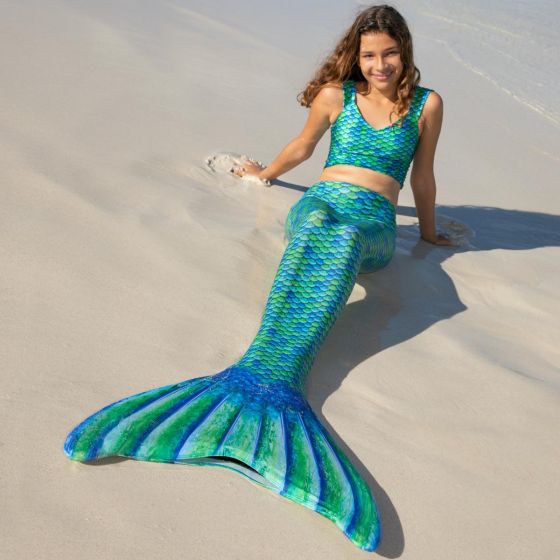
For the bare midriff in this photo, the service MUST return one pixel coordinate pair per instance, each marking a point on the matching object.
(368, 178)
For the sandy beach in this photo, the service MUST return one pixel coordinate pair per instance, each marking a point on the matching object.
(127, 265)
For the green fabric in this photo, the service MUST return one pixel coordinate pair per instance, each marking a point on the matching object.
(253, 417)
(388, 150)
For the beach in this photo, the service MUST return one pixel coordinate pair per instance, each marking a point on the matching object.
(128, 265)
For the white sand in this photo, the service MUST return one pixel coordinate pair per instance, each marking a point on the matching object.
(125, 266)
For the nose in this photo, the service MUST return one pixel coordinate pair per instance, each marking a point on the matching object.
(381, 65)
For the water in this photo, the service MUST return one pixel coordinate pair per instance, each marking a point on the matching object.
(513, 44)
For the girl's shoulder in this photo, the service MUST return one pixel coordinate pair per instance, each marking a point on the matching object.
(423, 95)
(429, 96)
(427, 104)
(422, 91)
(331, 92)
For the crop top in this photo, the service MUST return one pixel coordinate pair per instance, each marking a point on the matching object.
(389, 150)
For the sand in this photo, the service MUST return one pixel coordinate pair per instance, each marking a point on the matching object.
(126, 265)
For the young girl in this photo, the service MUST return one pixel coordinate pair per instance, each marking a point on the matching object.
(253, 417)
(369, 77)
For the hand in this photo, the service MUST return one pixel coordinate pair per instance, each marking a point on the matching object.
(249, 167)
(439, 239)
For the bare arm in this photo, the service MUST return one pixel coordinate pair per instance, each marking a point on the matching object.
(422, 178)
(291, 156)
(301, 148)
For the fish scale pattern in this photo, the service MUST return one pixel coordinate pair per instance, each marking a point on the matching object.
(338, 226)
(388, 150)
(253, 417)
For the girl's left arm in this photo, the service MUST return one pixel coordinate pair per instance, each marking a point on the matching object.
(422, 178)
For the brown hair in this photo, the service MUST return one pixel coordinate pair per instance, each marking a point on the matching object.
(342, 63)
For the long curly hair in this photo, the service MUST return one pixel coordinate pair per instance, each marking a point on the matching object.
(342, 63)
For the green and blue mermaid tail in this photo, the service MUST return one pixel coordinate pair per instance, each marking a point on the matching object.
(253, 416)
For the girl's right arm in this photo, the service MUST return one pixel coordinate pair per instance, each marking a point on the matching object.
(327, 102)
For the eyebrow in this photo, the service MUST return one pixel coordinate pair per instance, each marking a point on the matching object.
(388, 49)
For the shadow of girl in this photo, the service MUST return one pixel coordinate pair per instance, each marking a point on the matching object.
(404, 299)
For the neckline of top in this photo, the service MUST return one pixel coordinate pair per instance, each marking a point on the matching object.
(353, 93)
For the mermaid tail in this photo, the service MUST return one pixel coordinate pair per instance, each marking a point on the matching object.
(253, 417)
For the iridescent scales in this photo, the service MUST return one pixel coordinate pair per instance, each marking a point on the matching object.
(389, 150)
(253, 417)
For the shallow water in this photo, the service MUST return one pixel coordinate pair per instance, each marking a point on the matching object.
(513, 44)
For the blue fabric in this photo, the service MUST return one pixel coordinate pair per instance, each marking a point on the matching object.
(388, 150)
(253, 417)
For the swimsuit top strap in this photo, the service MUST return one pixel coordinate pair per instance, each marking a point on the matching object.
(348, 89)
(418, 101)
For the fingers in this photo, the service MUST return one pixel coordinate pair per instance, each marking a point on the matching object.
(246, 168)
(253, 162)
(253, 167)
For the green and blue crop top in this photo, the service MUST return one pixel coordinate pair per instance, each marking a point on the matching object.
(387, 150)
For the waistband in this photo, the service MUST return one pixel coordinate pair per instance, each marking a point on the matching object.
(354, 199)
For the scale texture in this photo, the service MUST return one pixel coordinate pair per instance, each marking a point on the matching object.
(388, 150)
(253, 417)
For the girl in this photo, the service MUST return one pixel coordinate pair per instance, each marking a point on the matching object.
(253, 417)
(369, 77)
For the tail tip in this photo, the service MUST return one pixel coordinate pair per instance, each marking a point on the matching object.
(69, 448)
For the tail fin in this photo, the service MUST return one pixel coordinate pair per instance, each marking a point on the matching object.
(266, 432)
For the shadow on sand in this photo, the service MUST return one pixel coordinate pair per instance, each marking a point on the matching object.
(402, 300)
(408, 296)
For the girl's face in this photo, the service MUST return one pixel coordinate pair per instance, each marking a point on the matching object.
(380, 60)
